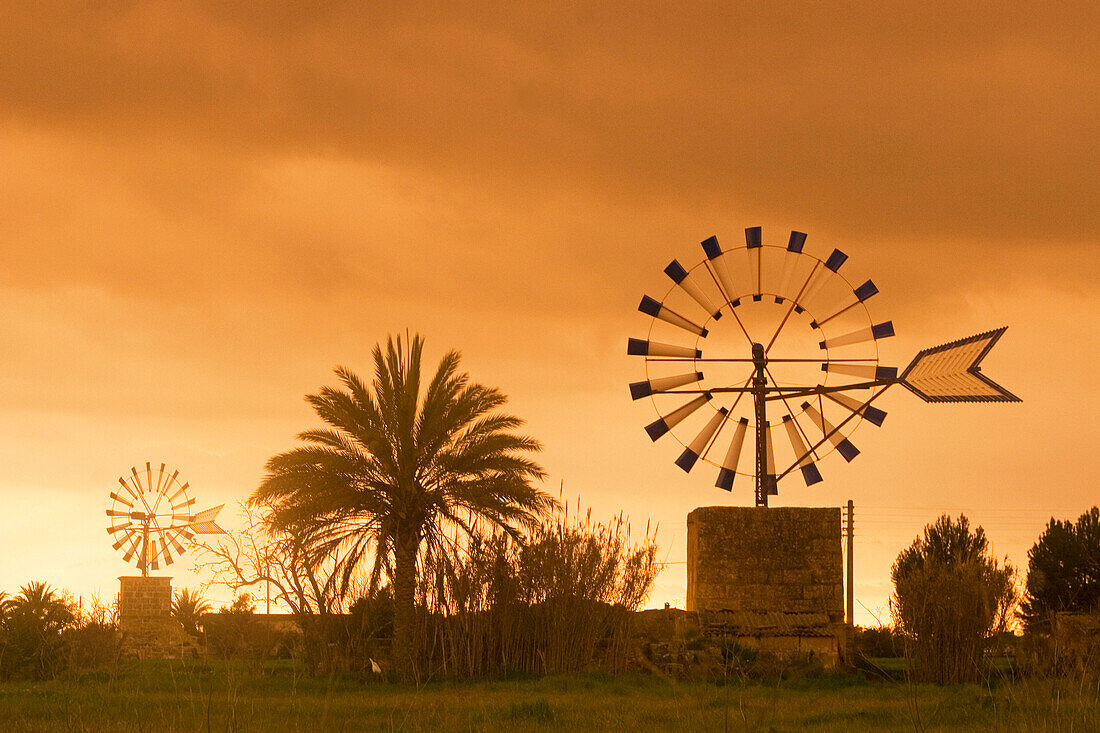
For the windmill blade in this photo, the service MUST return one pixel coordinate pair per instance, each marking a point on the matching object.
(160, 477)
(661, 425)
(124, 539)
(164, 551)
(641, 347)
(182, 489)
(729, 465)
(119, 527)
(129, 489)
(794, 248)
(137, 479)
(153, 556)
(864, 371)
(122, 500)
(860, 294)
(691, 454)
(654, 308)
(873, 333)
(754, 247)
(132, 548)
(203, 522)
(952, 372)
(180, 549)
(183, 505)
(806, 465)
(773, 488)
(115, 513)
(871, 414)
(842, 444)
(683, 280)
(638, 390)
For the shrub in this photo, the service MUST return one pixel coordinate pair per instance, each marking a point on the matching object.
(950, 598)
(1063, 571)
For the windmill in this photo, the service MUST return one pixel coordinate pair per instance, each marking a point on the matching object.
(802, 342)
(151, 511)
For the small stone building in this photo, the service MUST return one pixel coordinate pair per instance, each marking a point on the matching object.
(145, 620)
(769, 578)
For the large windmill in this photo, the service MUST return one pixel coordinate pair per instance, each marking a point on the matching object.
(801, 345)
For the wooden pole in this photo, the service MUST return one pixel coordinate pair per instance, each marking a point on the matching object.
(850, 599)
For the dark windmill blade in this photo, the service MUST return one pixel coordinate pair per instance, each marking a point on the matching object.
(790, 258)
(719, 262)
(859, 295)
(116, 513)
(160, 478)
(172, 537)
(683, 280)
(118, 528)
(137, 480)
(843, 446)
(641, 347)
(122, 500)
(153, 555)
(181, 490)
(691, 454)
(126, 537)
(183, 505)
(638, 390)
(952, 372)
(863, 335)
(132, 548)
(806, 465)
(661, 425)
(129, 489)
(654, 308)
(754, 246)
(864, 371)
(870, 413)
(164, 551)
(771, 483)
(733, 455)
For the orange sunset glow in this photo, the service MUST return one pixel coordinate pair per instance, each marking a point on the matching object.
(209, 206)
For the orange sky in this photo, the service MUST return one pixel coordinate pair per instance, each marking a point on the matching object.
(206, 209)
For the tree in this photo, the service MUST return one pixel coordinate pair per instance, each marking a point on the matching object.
(951, 597)
(1063, 571)
(399, 473)
(33, 622)
(188, 608)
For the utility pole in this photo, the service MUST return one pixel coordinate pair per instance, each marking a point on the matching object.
(850, 594)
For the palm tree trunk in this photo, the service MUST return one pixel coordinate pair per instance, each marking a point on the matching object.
(404, 609)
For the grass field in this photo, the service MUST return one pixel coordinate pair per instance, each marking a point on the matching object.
(201, 696)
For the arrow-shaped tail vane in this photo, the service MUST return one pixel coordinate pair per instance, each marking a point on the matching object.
(951, 372)
(203, 522)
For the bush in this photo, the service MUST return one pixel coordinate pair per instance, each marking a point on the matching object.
(31, 632)
(951, 597)
(1063, 571)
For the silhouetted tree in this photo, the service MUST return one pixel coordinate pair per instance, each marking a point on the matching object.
(1063, 571)
(951, 597)
(33, 622)
(399, 472)
(187, 608)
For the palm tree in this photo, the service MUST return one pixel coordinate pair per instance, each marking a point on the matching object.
(399, 472)
(187, 608)
(33, 621)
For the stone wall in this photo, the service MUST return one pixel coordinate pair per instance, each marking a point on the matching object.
(765, 560)
(145, 620)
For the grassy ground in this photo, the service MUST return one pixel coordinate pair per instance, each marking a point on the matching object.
(201, 696)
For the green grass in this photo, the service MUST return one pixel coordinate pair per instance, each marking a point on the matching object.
(219, 696)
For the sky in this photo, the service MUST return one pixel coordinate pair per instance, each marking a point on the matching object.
(209, 206)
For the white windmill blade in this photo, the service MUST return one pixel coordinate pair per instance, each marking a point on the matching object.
(203, 522)
(951, 372)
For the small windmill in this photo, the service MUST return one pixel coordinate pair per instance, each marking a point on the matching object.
(153, 516)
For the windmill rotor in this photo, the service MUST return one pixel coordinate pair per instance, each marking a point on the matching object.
(151, 517)
(801, 345)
